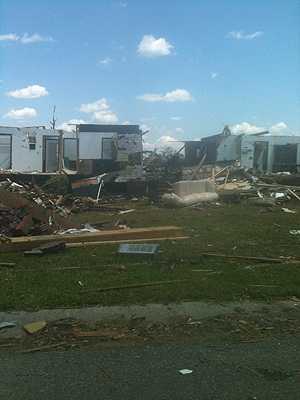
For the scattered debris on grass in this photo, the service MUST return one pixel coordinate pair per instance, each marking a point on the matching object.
(4, 325)
(128, 248)
(287, 210)
(185, 371)
(135, 285)
(48, 248)
(34, 327)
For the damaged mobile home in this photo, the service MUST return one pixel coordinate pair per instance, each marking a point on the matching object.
(260, 152)
(89, 149)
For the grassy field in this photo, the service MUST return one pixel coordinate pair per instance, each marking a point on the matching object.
(52, 280)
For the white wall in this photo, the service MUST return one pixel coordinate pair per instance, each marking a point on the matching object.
(229, 149)
(90, 144)
(248, 143)
(23, 159)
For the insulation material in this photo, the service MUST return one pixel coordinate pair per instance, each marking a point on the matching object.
(171, 199)
(184, 188)
(187, 193)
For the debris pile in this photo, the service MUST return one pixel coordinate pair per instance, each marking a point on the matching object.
(27, 210)
(229, 184)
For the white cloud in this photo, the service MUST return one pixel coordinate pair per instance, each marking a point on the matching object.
(100, 110)
(25, 38)
(151, 47)
(69, 126)
(105, 61)
(280, 127)
(21, 113)
(29, 92)
(177, 95)
(214, 75)
(9, 37)
(106, 117)
(35, 38)
(179, 130)
(126, 123)
(176, 118)
(245, 127)
(162, 143)
(240, 35)
(98, 105)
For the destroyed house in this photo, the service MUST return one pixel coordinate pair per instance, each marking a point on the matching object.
(37, 150)
(89, 149)
(105, 148)
(205, 149)
(261, 152)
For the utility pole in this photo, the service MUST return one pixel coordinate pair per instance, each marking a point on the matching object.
(53, 122)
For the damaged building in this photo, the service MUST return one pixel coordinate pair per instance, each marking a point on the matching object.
(90, 149)
(261, 152)
(37, 150)
(105, 148)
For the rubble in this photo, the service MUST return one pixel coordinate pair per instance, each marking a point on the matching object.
(231, 184)
(25, 209)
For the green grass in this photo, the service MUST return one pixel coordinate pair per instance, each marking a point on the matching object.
(37, 283)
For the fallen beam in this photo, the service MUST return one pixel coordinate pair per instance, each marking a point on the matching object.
(44, 348)
(134, 286)
(259, 259)
(29, 242)
(85, 244)
(7, 264)
(277, 186)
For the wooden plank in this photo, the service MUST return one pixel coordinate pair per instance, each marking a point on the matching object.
(293, 194)
(260, 259)
(85, 244)
(277, 186)
(30, 242)
(7, 264)
(44, 348)
(134, 286)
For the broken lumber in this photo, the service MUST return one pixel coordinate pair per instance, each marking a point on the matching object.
(134, 286)
(7, 264)
(53, 247)
(277, 186)
(30, 242)
(259, 259)
(85, 244)
(45, 347)
(293, 194)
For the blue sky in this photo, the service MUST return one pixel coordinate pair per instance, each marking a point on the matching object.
(182, 69)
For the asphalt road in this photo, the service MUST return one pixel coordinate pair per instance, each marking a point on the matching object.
(267, 370)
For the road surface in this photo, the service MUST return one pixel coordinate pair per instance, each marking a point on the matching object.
(268, 370)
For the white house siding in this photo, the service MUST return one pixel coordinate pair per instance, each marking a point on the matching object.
(23, 159)
(229, 149)
(90, 144)
(248, 143)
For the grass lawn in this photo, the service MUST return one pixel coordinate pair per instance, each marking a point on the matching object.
(43, 282)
